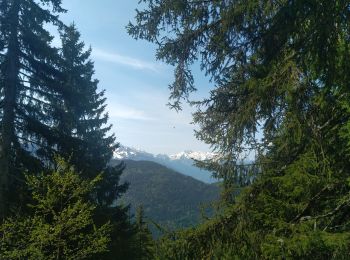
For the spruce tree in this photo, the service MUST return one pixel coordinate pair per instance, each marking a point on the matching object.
(84, 139)
(143, 241)
(26, 84)
(281, 70)
(81, 120)
(60, 225)
(81, 117)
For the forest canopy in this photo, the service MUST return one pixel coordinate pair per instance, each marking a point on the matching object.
(280, 71)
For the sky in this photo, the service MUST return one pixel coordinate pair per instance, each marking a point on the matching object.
(136, 83)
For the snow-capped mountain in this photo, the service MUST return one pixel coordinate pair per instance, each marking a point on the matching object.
(199, 156)
(124, 152)
(182, 162)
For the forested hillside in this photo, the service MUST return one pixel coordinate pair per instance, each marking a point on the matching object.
(168, 198)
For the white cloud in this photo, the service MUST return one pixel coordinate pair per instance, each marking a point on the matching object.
(123, 112)
(124, 60)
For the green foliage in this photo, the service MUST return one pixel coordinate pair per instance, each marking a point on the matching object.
(267, 69)
(167, 197)
(143, 241)
(82, 127)
(80, 120)
(281, 90)
(61, 224)
(79, 114)
(27, 70)
(49, 104)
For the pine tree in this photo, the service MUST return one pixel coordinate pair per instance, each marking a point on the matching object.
(84, 140)
(281, 70)
(26, 84)
(81, 120)
(61, 224)
(143, 238)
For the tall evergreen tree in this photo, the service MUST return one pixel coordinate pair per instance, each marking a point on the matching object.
(60, 225)
(26, 84)
(81, 120)
(280, 68)
(143, 241)
(81, 125)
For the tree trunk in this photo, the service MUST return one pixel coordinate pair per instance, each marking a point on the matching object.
(11, 81)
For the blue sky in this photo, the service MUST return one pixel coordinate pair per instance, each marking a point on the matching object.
(136, 83)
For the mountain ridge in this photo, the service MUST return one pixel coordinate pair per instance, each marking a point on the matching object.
(169, 198)
(182, 162)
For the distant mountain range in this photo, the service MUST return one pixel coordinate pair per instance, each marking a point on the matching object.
(182, 162)
(169, 198)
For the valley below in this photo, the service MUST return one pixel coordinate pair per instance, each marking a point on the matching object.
(170, 199)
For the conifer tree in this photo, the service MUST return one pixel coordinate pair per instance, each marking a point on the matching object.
(280, 69)
(84, 139)
(143, 237)
(81, 120)
(26, 84)
(60, 225)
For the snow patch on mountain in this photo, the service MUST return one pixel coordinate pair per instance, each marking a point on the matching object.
(124, 152)
(182, 162)
(199, 156)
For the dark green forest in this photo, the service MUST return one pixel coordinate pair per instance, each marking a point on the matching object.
(280, 90)
(168, 198)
